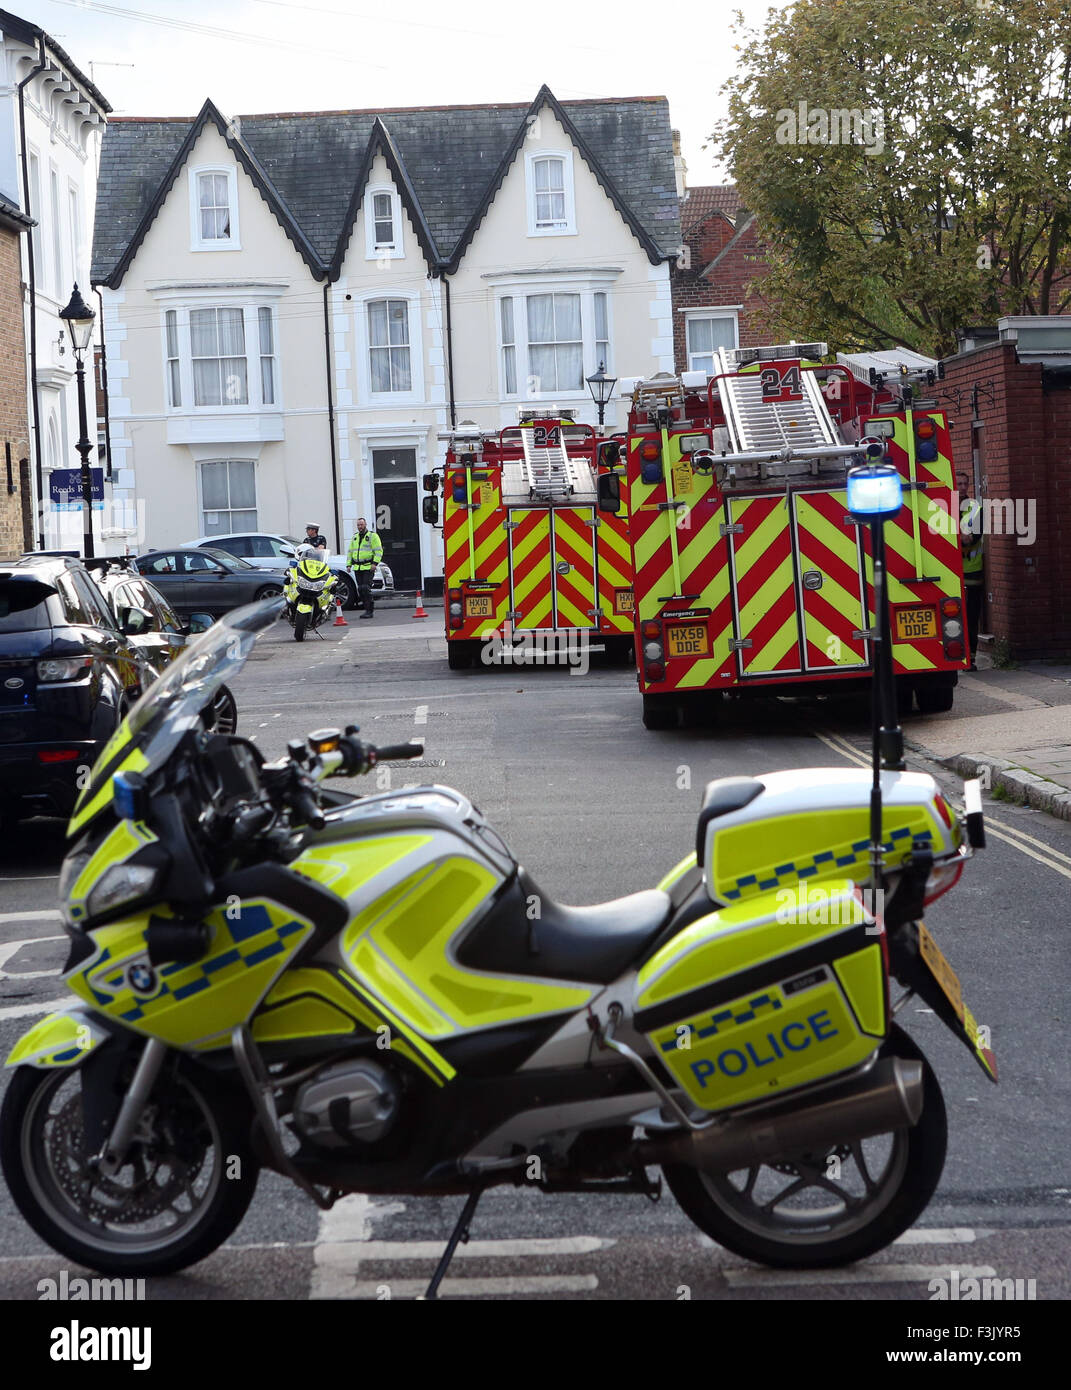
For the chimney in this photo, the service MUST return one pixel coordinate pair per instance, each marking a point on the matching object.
(680, 168)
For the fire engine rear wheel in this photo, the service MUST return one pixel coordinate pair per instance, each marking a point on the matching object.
(659, 712)
(934, 699)
(459, 655)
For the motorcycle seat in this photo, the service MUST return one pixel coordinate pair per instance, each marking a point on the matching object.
(530, 934)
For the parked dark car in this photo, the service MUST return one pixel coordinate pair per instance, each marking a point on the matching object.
(155, 630)
(68, 675)
(207, 581)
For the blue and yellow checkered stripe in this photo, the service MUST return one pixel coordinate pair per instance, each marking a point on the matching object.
(749, 884)
(256, 939)
(732, 1016)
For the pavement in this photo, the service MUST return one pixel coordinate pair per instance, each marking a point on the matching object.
(1015, 735)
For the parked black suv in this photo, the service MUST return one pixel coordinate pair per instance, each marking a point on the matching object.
(67, 677)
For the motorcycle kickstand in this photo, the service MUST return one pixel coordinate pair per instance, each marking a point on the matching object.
(459, 1235)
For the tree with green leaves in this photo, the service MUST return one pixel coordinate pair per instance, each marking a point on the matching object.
(909, 166)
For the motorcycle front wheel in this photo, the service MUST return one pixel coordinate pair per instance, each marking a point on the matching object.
(188, 1180)
(828, 1208)
(300, 623)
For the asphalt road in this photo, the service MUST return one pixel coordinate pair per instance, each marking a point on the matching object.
(596, 807)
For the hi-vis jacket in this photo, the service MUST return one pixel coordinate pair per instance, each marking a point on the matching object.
(365, 551)
(970, 523)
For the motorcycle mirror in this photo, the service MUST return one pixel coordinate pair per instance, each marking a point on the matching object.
(199, 622)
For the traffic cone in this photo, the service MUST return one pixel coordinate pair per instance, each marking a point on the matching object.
(340, 621)
(421, 611)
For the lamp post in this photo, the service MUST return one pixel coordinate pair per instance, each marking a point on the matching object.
(601, 387)
(79, 318)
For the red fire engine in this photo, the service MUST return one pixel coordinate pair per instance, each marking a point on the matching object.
(749, 573)
(528, 556)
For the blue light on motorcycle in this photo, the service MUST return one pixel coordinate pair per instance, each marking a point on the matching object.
(128, 795)
(875, 491)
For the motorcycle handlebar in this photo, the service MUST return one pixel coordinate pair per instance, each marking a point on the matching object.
(398, 751)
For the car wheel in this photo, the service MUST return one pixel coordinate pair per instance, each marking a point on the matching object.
(345, 590)
(269, 591)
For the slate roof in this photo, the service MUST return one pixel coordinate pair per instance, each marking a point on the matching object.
(707, 199)
(447, 160)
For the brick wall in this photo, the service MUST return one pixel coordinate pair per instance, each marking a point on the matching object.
(16, 533)
(728, 282)
(1026, 457)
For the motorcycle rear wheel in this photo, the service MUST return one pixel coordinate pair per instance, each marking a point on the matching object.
(795, 1215)
(186, 1186)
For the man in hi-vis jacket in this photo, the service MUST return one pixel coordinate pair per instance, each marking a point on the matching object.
(365, 553)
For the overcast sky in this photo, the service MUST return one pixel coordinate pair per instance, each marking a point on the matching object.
(288, 55)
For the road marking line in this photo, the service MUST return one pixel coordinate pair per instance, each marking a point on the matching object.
(421, 716)
(49, 913)
(43, 1006)
(473, 1249)
(12, 948)
(936, 1235)
(477, 1287)
(857, 1274)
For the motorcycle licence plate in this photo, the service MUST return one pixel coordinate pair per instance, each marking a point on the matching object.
(687, 640)
(912, 623)
(478, 606)
(941, 971)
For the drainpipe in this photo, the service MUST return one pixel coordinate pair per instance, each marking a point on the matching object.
(331, 417)
(104, 389)
(450, 355)
(35, 404)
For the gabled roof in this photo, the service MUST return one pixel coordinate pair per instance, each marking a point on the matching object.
(154, 159)
(447, 162)
(707, 200)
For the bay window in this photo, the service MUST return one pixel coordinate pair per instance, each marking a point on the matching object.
(220, 357)
(217, 351)
(550, 339)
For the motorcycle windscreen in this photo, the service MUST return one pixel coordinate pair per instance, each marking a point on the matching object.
(172, 705)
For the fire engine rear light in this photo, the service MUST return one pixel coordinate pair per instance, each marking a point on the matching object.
(925, 428)
(651, 629)
(650, 449)
(653, 673)
(954, 651)
(454, 609)
(950, 608)
(952, 628)
(652, 651)
(57, 755)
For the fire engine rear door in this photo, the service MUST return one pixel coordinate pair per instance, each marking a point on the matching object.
(830, 583)
(531, 568)
(574, 567)
(764, 586)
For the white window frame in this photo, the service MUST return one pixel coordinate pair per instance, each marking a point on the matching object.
(372, 252)
(519, 288)
(250, 302)
(197, 242)
(712, 311)
(59, 260)
(36, 211)
(415, 396)
(201, 508)
(566, 156)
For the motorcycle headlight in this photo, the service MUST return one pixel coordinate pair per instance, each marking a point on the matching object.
(122, 883)
(70, 873)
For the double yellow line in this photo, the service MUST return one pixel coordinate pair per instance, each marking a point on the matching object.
(1027, 844)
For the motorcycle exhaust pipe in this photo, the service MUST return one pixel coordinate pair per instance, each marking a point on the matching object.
(888, 1097)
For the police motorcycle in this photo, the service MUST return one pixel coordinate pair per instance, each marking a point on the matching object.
(370, 994)
(308, 588)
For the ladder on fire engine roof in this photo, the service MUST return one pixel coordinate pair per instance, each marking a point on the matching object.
(548, 469)
(758, 426)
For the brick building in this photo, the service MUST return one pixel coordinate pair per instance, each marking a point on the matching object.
(16, 499)
(716, 301)
(1009, 394)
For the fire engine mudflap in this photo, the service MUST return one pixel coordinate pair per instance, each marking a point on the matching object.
(534, 572)
(750, 575)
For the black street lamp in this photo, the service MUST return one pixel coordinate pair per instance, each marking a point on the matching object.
(601, 387)
(79, 318)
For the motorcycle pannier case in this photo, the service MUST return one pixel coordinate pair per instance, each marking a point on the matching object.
(813, 825)
(761, 997)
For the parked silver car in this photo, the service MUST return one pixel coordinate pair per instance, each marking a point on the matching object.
(273, 550)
